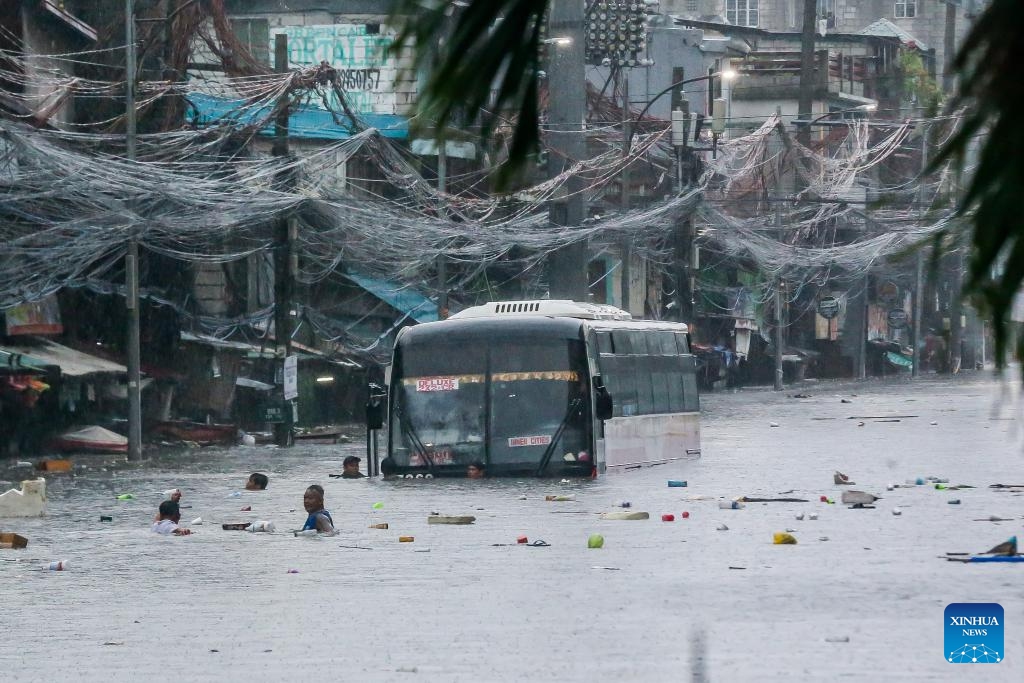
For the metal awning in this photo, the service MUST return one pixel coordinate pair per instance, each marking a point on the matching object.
(401, 298)
(43, 353)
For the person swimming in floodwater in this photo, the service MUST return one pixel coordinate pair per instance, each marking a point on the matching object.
(257, 482)
(476, 470)
(319, 518)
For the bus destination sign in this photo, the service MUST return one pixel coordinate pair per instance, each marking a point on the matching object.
(437, 384)
(517, 441)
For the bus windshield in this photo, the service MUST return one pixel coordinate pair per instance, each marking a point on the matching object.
(502, 403)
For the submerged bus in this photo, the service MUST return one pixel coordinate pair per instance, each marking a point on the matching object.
(544, 388)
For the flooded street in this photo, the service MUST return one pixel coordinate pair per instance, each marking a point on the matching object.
(867, 603)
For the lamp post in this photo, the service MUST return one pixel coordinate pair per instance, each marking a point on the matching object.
(684, 252)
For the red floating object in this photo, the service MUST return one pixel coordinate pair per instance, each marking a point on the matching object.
(247, 508)
(522, 539)
(824, 499)
(668, 518)
(686, 515)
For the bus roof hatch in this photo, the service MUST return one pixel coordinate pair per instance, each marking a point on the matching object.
(562, 308)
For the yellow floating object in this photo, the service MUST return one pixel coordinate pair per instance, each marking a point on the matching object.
(382, 525)
(406, 539)
(782, 538)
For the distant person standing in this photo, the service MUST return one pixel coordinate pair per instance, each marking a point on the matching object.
(319, 518)
(257, 482)
(350, 468)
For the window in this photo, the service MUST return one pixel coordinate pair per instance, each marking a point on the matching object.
(254, 34)
(691, 5)
(905, 9)
(741, 12)
(827, 12)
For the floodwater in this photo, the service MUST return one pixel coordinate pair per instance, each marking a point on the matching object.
(660, 602)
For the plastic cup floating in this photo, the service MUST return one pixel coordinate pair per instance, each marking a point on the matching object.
(58, 566)
(522, 540)
(685, 515)
(668, 518)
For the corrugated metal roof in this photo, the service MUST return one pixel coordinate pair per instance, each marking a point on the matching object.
(887, 29)
(401, 298)
(73, 363)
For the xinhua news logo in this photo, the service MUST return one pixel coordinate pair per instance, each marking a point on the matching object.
(974, 633)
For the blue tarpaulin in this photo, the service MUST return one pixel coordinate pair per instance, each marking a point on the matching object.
(408, 301)
(305, 121)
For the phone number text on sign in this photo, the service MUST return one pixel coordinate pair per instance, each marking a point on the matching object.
(437, 384)
(517, 441)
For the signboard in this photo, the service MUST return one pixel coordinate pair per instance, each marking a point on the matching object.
(291, 377)
(37, 317)
(273, 413)
(897, 318)
(519, 441)
(362, 55)
(828, 307)
(437, 384)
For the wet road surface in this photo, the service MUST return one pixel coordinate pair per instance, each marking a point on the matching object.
(866, 604)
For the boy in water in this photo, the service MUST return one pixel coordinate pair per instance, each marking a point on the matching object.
(257, 482)
(319, 518)
(167, 520)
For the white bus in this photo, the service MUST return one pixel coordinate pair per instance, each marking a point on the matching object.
(546, 388)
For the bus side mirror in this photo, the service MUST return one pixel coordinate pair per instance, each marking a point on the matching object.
(375, 407)
(602, 400)
(374, 414)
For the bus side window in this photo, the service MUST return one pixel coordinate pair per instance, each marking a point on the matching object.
(621, 342)
(682, 345)
(660, 372)
(644, 384)
(667, 342)
(604, 342)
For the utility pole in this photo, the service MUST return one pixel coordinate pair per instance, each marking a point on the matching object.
(442, 260)
(778, 280)
(132, 258)
(807, 76)
(567, 266)
(915, 370)
(949, 47)
(285, 229)
(627, 137)
(683, 256)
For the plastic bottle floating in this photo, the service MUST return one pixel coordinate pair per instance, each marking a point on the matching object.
(676, 483)
(730, 505)
(126, 496)
(378, 506)
(560, 499)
